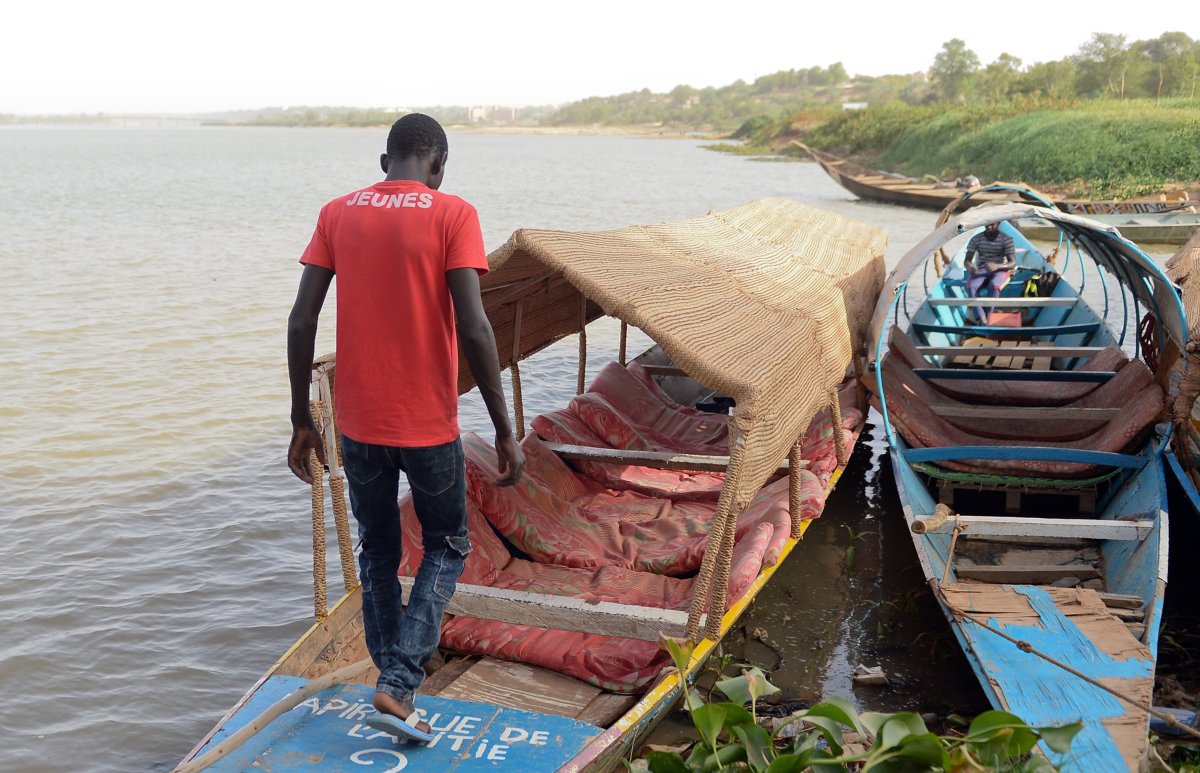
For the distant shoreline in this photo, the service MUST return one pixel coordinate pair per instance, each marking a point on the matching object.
(656, 132)
(650, 132)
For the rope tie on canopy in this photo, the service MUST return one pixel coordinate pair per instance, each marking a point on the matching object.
(795, 491)
(341, 522)
(714, 568)
(515, 372)
(324, 417)
(839, 438)
(317, 470)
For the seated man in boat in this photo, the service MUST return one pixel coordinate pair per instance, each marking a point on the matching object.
(408, 260)
(996, 260)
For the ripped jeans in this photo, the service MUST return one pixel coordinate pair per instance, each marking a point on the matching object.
(401, 640)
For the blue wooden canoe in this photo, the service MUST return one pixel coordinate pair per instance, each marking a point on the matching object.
(1028, 451)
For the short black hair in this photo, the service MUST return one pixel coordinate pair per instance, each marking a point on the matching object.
(416, 134)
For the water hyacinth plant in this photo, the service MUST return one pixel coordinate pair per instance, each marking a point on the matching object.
(831, 736)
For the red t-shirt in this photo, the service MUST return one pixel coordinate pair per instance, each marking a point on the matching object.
(390, 246)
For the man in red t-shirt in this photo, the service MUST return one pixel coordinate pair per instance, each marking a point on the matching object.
(408, 260)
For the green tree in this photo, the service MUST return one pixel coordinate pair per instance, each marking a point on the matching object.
(998, 78)
(1170, 63)
(681, 94)
(1054, 80)
(953, 69)
(1103, 66)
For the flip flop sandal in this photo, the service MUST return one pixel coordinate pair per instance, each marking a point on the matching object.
(401, 728)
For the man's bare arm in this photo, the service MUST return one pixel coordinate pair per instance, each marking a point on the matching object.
(479, 345)
(301, 341)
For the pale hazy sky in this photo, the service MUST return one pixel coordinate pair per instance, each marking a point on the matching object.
(168, 56)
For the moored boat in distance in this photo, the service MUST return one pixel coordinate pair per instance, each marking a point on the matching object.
(1146, 228)
(638, 514)
(1027, 445)
(892, 188)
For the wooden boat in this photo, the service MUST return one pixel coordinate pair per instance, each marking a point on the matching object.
(1149, 228)
(1028, 455)
(1184, 454)
(550, 657)
(892, 188)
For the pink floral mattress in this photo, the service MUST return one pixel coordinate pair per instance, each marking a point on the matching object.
(627, 534)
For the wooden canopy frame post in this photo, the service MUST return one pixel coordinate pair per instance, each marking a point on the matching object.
(515, 372)
(583, 301)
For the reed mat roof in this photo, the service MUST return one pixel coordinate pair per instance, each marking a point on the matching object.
(765, 302)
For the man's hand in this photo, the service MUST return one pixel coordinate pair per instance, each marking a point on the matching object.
(305, 438)
(512, 461)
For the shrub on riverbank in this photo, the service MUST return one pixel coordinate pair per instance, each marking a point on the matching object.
(1104, 148)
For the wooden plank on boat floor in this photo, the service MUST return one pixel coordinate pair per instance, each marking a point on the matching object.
(994, 348)
(1027, 575)
(665, 370)
(442, 678)
(1089, 528)
(564, 613)
(1009, 361)
(1122, 600)
(1002, 303)
(970, 360)
(606, 708)
(521, 686)
(1073, 626)
(654, 459)
(966, 538)
(985, 554)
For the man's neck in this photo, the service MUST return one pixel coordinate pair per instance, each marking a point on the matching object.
(411, 169)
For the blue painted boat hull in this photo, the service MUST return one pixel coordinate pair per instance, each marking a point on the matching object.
(328, 732)
(1004, 624)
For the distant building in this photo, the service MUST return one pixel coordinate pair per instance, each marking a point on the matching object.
(491, 114)
(854, 105)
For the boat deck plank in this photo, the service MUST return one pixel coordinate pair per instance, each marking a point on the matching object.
(1073, 626)
(522, 686)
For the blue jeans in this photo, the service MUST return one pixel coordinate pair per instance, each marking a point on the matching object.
(401, 640)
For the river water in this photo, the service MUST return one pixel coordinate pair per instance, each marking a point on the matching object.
(155, 557)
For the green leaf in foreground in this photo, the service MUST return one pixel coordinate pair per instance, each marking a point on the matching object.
(1059, 738)
(666, 762)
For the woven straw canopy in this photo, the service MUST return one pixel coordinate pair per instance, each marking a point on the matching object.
(765, 302)
(1184, 270)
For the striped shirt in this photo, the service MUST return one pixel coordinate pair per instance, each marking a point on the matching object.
(991, 254)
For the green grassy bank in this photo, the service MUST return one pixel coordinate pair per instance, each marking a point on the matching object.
(1097, 148)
